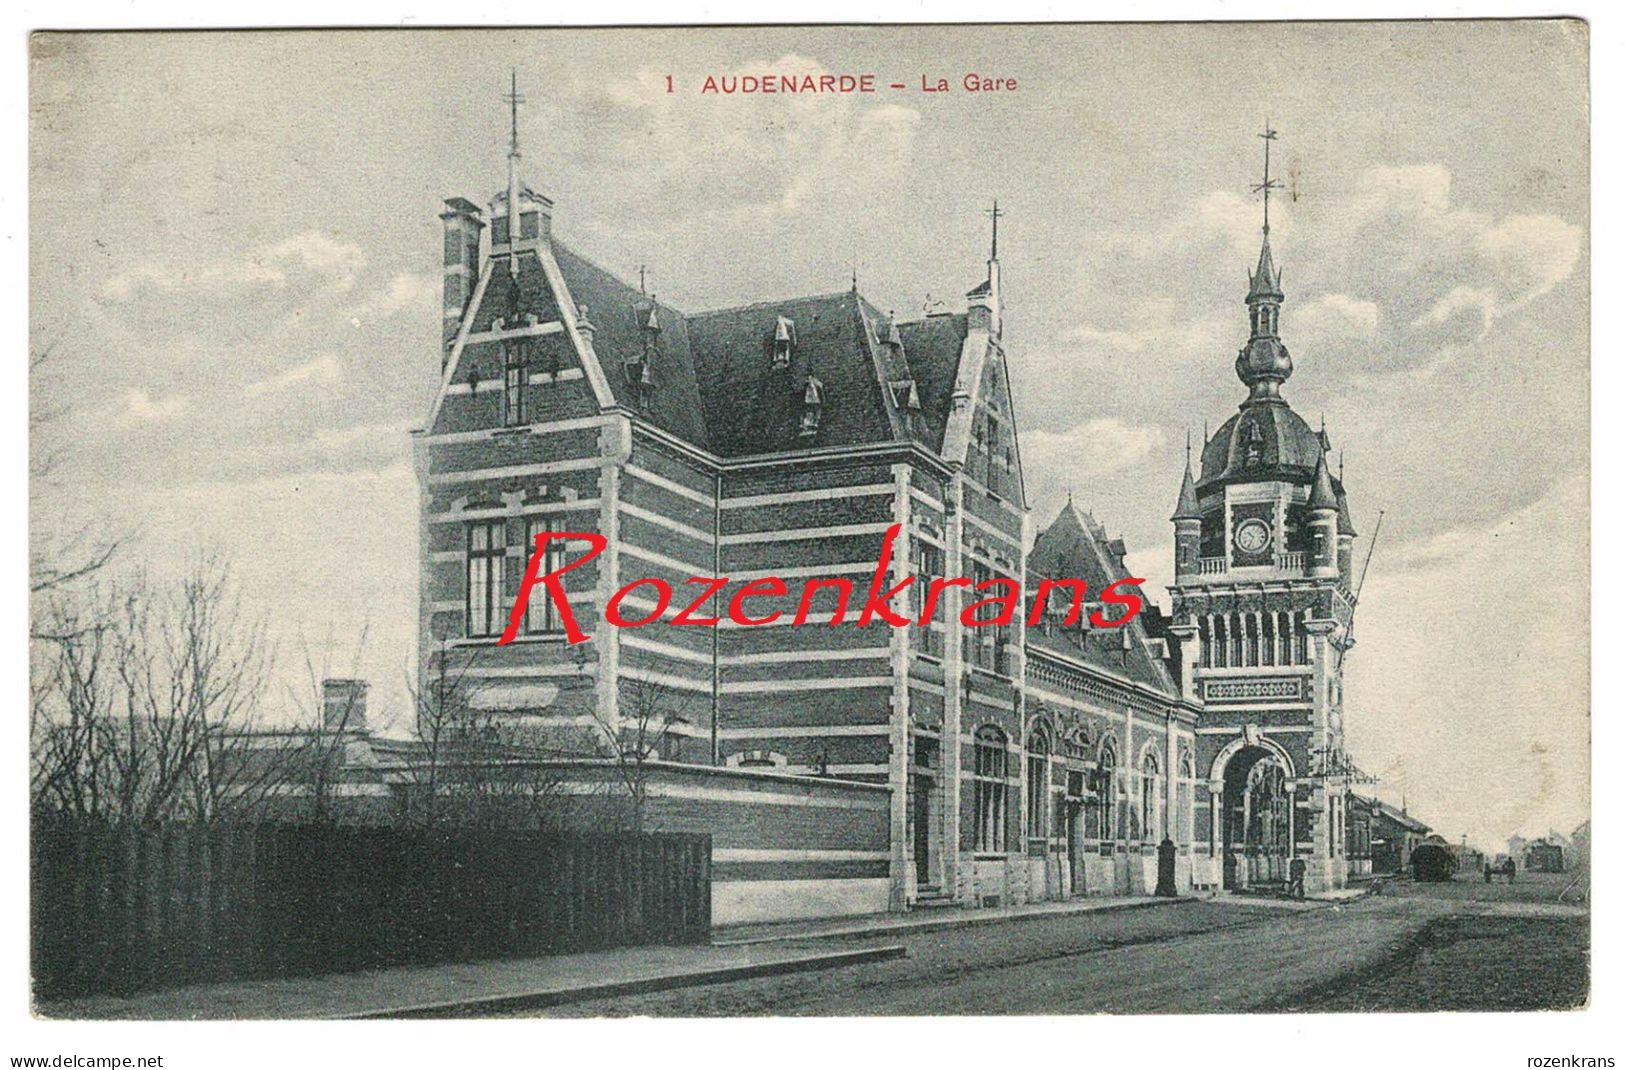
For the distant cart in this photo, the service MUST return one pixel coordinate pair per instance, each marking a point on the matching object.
(1431, 862)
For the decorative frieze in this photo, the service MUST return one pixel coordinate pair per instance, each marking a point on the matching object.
(1285, 689)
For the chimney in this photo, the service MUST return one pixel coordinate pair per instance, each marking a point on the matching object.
(344, 705)
(463, 226)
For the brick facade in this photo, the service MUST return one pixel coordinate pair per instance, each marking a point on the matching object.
(783, 440)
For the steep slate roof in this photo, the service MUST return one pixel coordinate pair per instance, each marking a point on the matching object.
(752, 407)
(1074, 546)
(714, 383)
(613, 310)
(932, 347)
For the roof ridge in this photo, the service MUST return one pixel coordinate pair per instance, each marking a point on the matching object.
(596, 266)
(767, 304)
(923, 320)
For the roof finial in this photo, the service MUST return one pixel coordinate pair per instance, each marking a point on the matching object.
(995, 213)
(1340, 466)
(514, 99)
(515, 223)
(1268, 184)
(643, 280)
(1187, 447)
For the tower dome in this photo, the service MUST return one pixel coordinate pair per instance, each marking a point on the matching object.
(1261, 442)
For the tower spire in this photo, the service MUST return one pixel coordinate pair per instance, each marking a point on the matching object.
(1264, 363)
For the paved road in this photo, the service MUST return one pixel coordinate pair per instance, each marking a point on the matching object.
(1201, 956)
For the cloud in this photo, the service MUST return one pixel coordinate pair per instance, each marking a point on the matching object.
(1339, 316)
(324, 370)
(1461, 299)
(744, 157)
(1153, 334)
(142, 407)
(1092, 449)
(309, 253)
(405, 291)
(1532, 253)
(1417, 189)
(315, 251)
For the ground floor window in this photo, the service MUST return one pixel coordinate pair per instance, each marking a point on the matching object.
(990, 786)
(1151, 798)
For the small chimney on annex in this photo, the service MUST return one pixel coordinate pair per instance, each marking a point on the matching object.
(344, 705)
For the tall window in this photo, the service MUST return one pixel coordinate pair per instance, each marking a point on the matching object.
(927, 566)
(1106, 788)
(1037, 787)
(990, 785)
(541, 615)
(513, 387)
(1182, 798)
(1151, 798)
(486, 547)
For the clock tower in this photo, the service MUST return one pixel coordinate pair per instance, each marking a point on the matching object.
(1262, 607)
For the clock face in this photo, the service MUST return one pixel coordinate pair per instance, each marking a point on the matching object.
(1252, 536)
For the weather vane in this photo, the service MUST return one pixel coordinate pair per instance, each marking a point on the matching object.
(995, 213)
(1268, 184)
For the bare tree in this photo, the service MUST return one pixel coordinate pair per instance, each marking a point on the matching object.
(477, 766)
(646, 729)
(139, 695)
(58, 558)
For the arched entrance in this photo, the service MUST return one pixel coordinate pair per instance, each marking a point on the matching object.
(1257, 825)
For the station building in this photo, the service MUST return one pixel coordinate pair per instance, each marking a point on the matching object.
(782, 439)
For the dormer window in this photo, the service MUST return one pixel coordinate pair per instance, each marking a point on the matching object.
(784, 342)
(906, 395)
(646, 386)
(1255, 444)
(812, 407)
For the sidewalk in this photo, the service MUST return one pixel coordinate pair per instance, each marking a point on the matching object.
(465, 988)
(470, 988)
(931, 919)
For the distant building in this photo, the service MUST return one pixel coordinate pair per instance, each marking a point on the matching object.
(1580, 846)
(1391, 834)
(1543, 856)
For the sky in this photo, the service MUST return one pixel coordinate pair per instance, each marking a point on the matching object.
(234, 246)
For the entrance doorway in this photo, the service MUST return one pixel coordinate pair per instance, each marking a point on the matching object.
(922, 788)
(1257, 823)
(1070, 806)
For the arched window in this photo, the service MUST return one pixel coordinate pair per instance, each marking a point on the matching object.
(1151, 797)
(1038, 785)
(1106, 789)
(990, 787)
